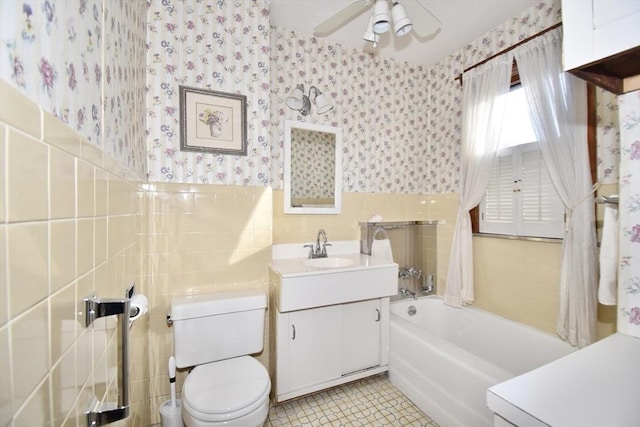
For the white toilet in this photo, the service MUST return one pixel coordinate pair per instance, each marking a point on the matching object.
(216, 333)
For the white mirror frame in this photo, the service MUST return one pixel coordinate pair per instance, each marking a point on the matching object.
(337, 206)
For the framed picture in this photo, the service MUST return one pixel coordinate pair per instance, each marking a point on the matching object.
(213, 122)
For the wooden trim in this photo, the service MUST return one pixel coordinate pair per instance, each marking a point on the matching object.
(515, 74)
(592, 140)
(475, 219)
(610, 83)
(617, 73)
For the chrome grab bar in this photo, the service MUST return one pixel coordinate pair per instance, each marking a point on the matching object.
(101, 413)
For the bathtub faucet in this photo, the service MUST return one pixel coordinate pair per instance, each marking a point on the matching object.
(406, 292)
(405, 273)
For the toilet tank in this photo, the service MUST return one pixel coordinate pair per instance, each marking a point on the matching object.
(217, 326)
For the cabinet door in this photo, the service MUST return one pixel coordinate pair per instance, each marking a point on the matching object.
(361, 335)
(314, 346)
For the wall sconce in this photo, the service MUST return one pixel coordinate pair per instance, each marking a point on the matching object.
(302, 103)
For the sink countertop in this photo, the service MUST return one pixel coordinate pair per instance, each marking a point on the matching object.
(595, 386)
(293, 267)
(301, 286)
(288, 259)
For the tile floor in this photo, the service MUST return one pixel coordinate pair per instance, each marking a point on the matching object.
(373, 401)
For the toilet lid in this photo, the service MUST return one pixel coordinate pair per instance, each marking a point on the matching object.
(226, 386)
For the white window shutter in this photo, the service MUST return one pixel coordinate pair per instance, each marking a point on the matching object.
(498, 210)
(520, 199)
(542, 212)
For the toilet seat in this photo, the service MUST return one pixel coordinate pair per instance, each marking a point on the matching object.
(225, 390)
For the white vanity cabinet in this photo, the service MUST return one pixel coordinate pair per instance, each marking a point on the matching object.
(331, 316)
(322, 347)
(308, 347)
(362, 335)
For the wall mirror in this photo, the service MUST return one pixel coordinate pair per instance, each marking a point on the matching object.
(312, 168)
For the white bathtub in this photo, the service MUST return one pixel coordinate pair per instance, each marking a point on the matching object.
(444, 358)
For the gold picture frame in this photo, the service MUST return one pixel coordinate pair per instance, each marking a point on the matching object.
(213, 122)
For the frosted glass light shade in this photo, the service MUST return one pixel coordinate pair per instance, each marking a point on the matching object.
(295, 101)
(369, 35)
(322, 104)
(401, 23)
(381, 22)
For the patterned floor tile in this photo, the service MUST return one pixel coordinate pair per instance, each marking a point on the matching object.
(370, 402)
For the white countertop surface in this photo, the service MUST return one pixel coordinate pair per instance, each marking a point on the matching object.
(597, 386)
(287, 259)
(293, 267)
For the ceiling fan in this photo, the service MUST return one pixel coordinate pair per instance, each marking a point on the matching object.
(422, 22)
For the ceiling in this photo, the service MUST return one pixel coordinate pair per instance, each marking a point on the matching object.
(462, 21)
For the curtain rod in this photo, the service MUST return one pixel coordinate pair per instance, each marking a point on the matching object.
(523, 41)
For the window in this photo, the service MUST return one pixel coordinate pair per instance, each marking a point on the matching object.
(520, 199)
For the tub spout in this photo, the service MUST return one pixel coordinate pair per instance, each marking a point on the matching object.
(406, 292)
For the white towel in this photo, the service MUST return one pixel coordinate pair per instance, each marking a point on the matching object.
(608, 286)
(382, 249)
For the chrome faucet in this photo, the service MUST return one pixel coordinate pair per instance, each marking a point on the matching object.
(319, 250)
(407, 272)
(406, 292)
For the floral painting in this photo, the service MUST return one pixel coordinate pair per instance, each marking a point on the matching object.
(213, 122)
(215, 46)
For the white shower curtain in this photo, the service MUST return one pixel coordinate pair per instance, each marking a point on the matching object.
(558, 105)
(482, 114)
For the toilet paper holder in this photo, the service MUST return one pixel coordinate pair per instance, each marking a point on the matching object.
(101, 413)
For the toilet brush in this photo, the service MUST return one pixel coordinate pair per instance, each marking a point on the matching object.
(172, 380)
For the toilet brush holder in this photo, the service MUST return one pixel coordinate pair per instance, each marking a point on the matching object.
(171, 416)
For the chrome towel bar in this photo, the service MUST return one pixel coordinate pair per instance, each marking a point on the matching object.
(607, 199)
(101, 413)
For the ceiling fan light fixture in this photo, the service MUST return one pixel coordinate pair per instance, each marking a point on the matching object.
(401, 23)
(381, 22)
(369, 35)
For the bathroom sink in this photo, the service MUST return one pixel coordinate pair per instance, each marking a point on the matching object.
(335, 262)
(342, 277)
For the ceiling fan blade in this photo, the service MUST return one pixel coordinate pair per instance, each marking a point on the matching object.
(424, 23)
(338, 19)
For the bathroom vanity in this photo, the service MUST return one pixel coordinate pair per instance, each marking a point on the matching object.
(331, 317)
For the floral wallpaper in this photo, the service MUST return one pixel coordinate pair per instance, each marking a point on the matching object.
(378, 102)
(311, 150)
(401, 122)
(69, 82)
(629, 213)
(608, 137)
(221, 46)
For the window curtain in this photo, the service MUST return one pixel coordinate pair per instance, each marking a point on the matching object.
(483, 106)
(558, 108)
